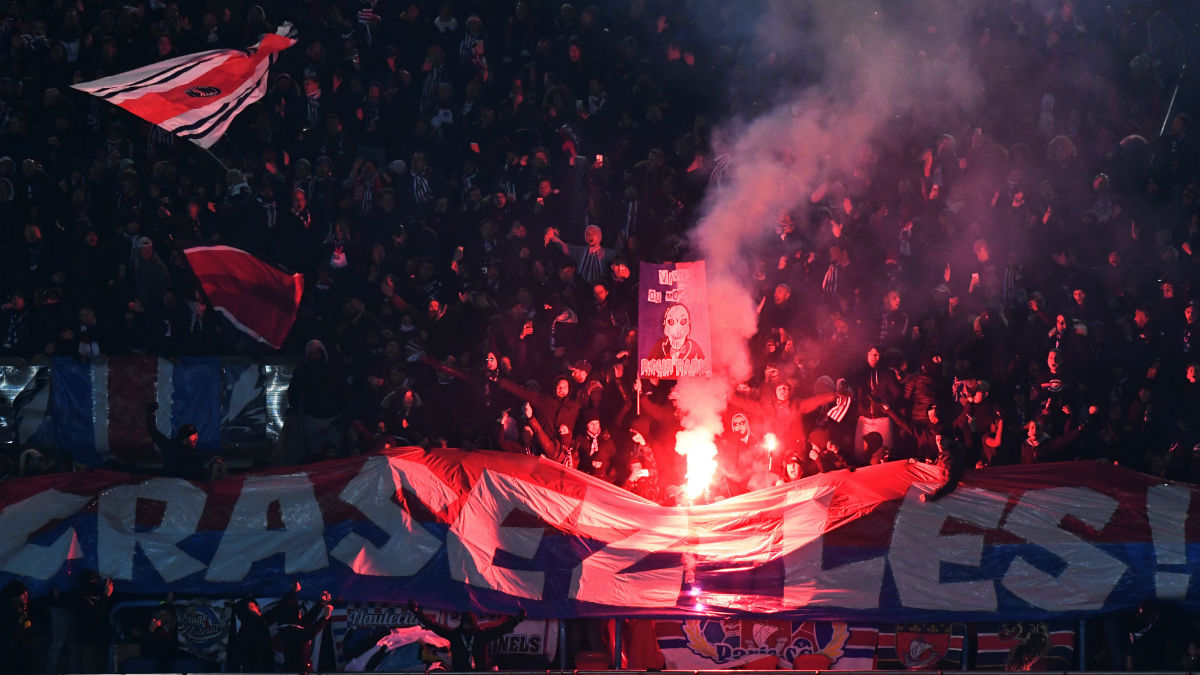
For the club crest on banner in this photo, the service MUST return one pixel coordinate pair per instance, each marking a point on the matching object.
(734, 642)
(203, 629)
(921, 646)
(202, 92)
(919, 650)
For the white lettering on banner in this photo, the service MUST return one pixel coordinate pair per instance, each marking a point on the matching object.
(118, 536)
(677, 295)
(853, 585)
(918, 549)
(1090, 573)
(477, 533)
(18, 521)
(374, 491)
(1167, 508)
(600, 577)
(249, 537)
(681, 276)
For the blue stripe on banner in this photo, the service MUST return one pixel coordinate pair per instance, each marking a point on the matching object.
(197, 390)
(71, 409)
(244, 405)
(164, 395)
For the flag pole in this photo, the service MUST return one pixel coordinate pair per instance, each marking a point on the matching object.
(1171, 106)
(214, 157)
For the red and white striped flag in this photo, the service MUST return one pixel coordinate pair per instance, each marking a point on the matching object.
(258, 298)
(195, 96)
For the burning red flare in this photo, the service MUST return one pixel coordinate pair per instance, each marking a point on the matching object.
(701, 452)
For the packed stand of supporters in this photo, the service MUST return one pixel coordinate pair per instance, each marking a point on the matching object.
(469, 188)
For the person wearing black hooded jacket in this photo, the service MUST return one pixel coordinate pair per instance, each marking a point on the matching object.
(317, 397)
(924, 389)
(298, 628)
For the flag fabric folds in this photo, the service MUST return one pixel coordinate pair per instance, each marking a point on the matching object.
(98, 409)
(258, 298)
(195, 96)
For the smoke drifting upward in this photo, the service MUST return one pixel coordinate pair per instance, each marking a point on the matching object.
(872, 66)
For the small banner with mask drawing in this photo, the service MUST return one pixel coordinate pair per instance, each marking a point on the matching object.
(673, 327)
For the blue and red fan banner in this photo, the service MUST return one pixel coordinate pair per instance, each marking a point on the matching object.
(759, 644)
(921, 646)
(1025, 646)
(498, 532)
(97, 410)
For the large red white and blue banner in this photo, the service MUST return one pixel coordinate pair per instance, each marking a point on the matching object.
(497, 532)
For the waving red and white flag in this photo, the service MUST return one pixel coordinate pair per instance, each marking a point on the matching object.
(195, 96)
(258, 298)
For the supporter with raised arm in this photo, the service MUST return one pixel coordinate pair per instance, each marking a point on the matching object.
(469, 641)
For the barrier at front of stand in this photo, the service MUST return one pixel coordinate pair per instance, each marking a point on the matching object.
(383, 635)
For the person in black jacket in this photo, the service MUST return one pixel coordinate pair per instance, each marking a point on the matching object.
(317, 397)
(298, 628)
(468, 641)
(250, 648)
(91, 603)
(180, 459)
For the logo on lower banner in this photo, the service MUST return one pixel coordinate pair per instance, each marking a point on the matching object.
(918, 650)
(734, 641)
(203, 628)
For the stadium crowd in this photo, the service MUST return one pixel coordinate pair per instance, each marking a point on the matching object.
(469, 188)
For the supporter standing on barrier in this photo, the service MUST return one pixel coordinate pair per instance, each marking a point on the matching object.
(468, 640)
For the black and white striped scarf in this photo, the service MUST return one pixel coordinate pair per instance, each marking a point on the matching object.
(429, 89)
(466, 48)
(422, 191)
(840, 407)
